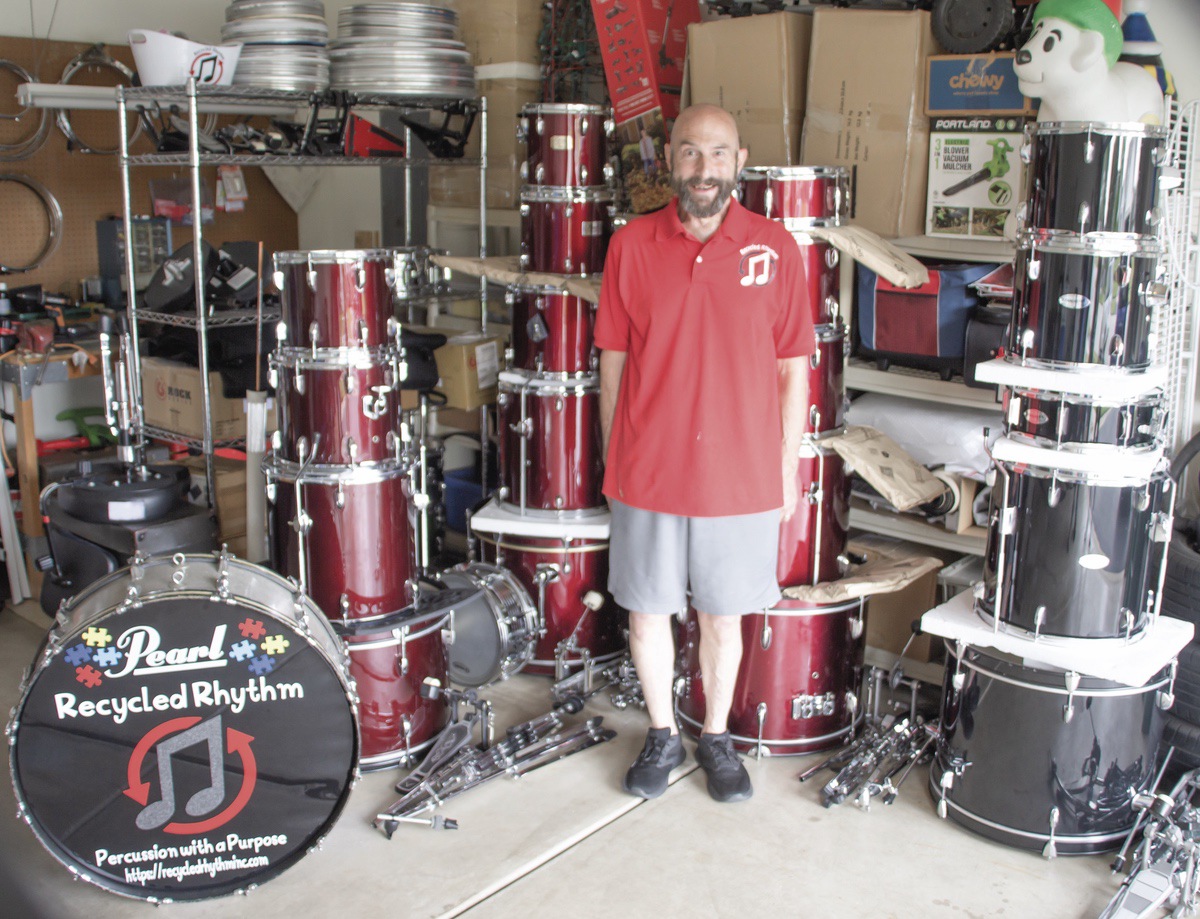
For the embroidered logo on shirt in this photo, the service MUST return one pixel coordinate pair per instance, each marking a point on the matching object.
(757, 268)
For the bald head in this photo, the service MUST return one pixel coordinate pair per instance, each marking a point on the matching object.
(702, 120)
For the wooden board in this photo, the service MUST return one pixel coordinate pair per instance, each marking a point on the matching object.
(88, 186)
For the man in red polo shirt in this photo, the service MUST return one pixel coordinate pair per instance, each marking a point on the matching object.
(704, 331)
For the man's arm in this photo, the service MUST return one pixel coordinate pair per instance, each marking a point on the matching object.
(793, 403)
(612, 367)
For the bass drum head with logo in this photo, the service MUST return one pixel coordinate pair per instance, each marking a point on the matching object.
(219, 738)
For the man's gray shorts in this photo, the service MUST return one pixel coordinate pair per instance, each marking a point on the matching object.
(726, 563)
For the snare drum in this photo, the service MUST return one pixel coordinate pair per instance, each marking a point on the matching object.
(551, 458)
(346, 412)
(821, 276)
(552, 332)
(157, 724)
(1075, 554)
(813, 539)
(565, 230)
(345, 533)
(797, 689)
(799, 196)
(335, 298)
(1084, 304)
(1026, 761)
(494, 631)
(567, 143)
(389, 661)
(1087, 177)
(569, 579)
(1065, 421)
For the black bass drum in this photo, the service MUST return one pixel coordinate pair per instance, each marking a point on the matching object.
(211, 703)
(1025, 761)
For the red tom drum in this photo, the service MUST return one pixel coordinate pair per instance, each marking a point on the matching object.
(338, 412)
(799, 196)
(389, 663)
(565, 230)
(552, 332)
(821, 275)
(827, 381)
(567, 143)
(551, 458)
(346, 534)
(568, 579)
(812, 541)
(797, 690)
(343, 298)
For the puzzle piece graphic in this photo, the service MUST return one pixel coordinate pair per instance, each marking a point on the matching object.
(108, 657)
(252, 629)
(78, 655)
(97, 638)
(262, 665)
(243, 650)
(275, 644)
(89, 676)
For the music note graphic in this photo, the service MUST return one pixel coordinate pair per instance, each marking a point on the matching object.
(758, 270)
(204, 801)
(204, 69)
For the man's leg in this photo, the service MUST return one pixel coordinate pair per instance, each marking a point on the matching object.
(653, 650)
(720, 659)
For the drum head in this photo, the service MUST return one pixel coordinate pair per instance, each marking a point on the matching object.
(218, 738)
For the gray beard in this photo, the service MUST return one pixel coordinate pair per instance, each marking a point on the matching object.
(689, 204)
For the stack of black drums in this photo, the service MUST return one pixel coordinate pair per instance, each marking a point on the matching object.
(797, 690)
(1049, 757)
(550, 524)
(342, 478)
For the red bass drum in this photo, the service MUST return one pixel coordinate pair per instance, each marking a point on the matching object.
(797, 690)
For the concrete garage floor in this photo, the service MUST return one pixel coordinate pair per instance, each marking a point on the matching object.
(566, 841)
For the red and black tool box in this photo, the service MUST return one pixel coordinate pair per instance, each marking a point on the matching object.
(922, 327)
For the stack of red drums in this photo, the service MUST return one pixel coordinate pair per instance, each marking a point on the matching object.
(1032, 755)
(341, 479)
(797, 690)
(550, 525)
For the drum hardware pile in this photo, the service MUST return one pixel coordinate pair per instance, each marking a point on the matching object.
(775, 711)
(618, 677)
(459, 768)
(549, 523)
(876, 763)
(1050, 756)
(1165, 871)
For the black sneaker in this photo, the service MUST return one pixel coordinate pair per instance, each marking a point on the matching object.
(728, 779)
(647, 777)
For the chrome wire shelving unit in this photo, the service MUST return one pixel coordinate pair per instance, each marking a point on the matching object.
(242, 100)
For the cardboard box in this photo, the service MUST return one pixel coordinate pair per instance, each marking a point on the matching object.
(974, 84)
(865, 110)
(459, 186)
(643, 44)
(469, 367)
(172, 399)
(230, 504)
(975, 173)
(767, 100)
(501, 31)
(890, 616)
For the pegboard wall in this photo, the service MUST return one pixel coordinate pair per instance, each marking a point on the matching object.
(88, 186)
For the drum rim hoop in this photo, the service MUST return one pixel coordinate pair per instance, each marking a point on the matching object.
(1109, 128)
(1115, 691)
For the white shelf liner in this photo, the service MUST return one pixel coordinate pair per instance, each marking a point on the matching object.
(1114, 386)
(495, 518)
(1110, 466)
(1132, 664)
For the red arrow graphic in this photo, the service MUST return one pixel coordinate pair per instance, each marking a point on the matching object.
(240, 743)
(139, 790)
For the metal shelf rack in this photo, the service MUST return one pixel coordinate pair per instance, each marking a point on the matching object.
(241, 100)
